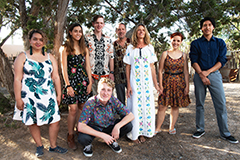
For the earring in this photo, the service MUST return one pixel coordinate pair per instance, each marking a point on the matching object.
(43, 51)
(31, 50)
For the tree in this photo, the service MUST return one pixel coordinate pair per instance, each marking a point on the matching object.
(40, 14)
(7, 14)
(161, 17)
(155, 14)
(226, 14)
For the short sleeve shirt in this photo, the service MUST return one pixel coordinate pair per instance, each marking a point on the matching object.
(100, 51)
(96, 114)
(119, 66)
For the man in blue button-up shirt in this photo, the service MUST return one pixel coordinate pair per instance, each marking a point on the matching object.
(208, 55)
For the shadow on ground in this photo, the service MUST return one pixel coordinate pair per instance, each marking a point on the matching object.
(17, 143)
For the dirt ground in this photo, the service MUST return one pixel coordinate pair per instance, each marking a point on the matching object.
(17, 143)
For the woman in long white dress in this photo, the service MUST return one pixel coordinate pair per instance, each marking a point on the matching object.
(141, 75)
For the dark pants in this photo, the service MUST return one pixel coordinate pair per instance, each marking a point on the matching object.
(85, 139)
(120, 90)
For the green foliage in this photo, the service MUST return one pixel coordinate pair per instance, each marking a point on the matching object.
(159, 16)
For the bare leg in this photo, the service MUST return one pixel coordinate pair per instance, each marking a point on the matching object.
(36, 134)
(80, 108)
(160, 117)
(136, 141)
(53, 133)
(142, 139)
(72, 113)
(173, 117)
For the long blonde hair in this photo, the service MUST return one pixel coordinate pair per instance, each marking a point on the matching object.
(135, 38)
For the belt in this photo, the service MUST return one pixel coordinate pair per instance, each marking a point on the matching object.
(173, 73)
(95, 76)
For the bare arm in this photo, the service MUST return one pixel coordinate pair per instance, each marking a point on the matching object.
(160, 70)
(154, 77)
(204, 78)
(56, 79)
(89, 73)
(84, 128)
(64, 66)
(186, 74)
(116, 130)
(129, 88)
(18, 76)
(213, 69)
(64, 55)
(111, 76)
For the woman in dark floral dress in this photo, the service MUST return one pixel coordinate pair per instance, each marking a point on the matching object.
(36, 99)
(76, 72)
(174, 86)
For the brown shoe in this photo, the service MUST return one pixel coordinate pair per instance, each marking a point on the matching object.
(70, 141)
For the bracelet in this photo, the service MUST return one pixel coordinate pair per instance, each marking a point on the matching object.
(68, 86)
(112, 72)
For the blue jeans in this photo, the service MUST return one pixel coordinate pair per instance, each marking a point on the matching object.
(218, 98)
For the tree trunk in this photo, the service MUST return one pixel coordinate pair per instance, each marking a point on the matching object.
(61, 18)
(6, 73)
(24, 18)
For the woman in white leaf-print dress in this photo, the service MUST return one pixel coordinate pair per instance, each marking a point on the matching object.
(141, 75)
(36, 99)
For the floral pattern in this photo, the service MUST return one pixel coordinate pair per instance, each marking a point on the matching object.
(78, 79)
(119, 66)
(94, 113)
(174, 85)
(100, 53)
(141, 103)
(38, 94)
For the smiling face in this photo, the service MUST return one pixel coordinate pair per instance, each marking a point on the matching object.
(104, 93)
(121, 31)
(141, 32)
(36, 41)
(207, 28)
(98, 24)
(76, 33)
(176, 42)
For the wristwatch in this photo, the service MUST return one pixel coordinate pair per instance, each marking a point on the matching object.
(112, 72)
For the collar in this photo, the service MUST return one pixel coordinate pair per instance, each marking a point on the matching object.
(98, 103)
(92, 33)
(125, 43)
(204, 39)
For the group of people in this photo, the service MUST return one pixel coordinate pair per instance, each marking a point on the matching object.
(92, 66)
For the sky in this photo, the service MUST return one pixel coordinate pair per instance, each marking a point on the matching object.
(16, 39)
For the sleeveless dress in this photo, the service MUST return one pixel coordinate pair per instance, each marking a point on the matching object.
(174, 85)
(78, 79)
(38, 94)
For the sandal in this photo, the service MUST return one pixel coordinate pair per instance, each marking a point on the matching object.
(142, 139)
(58, 150)
(156, 132)
(173, 131)
(136, 141)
